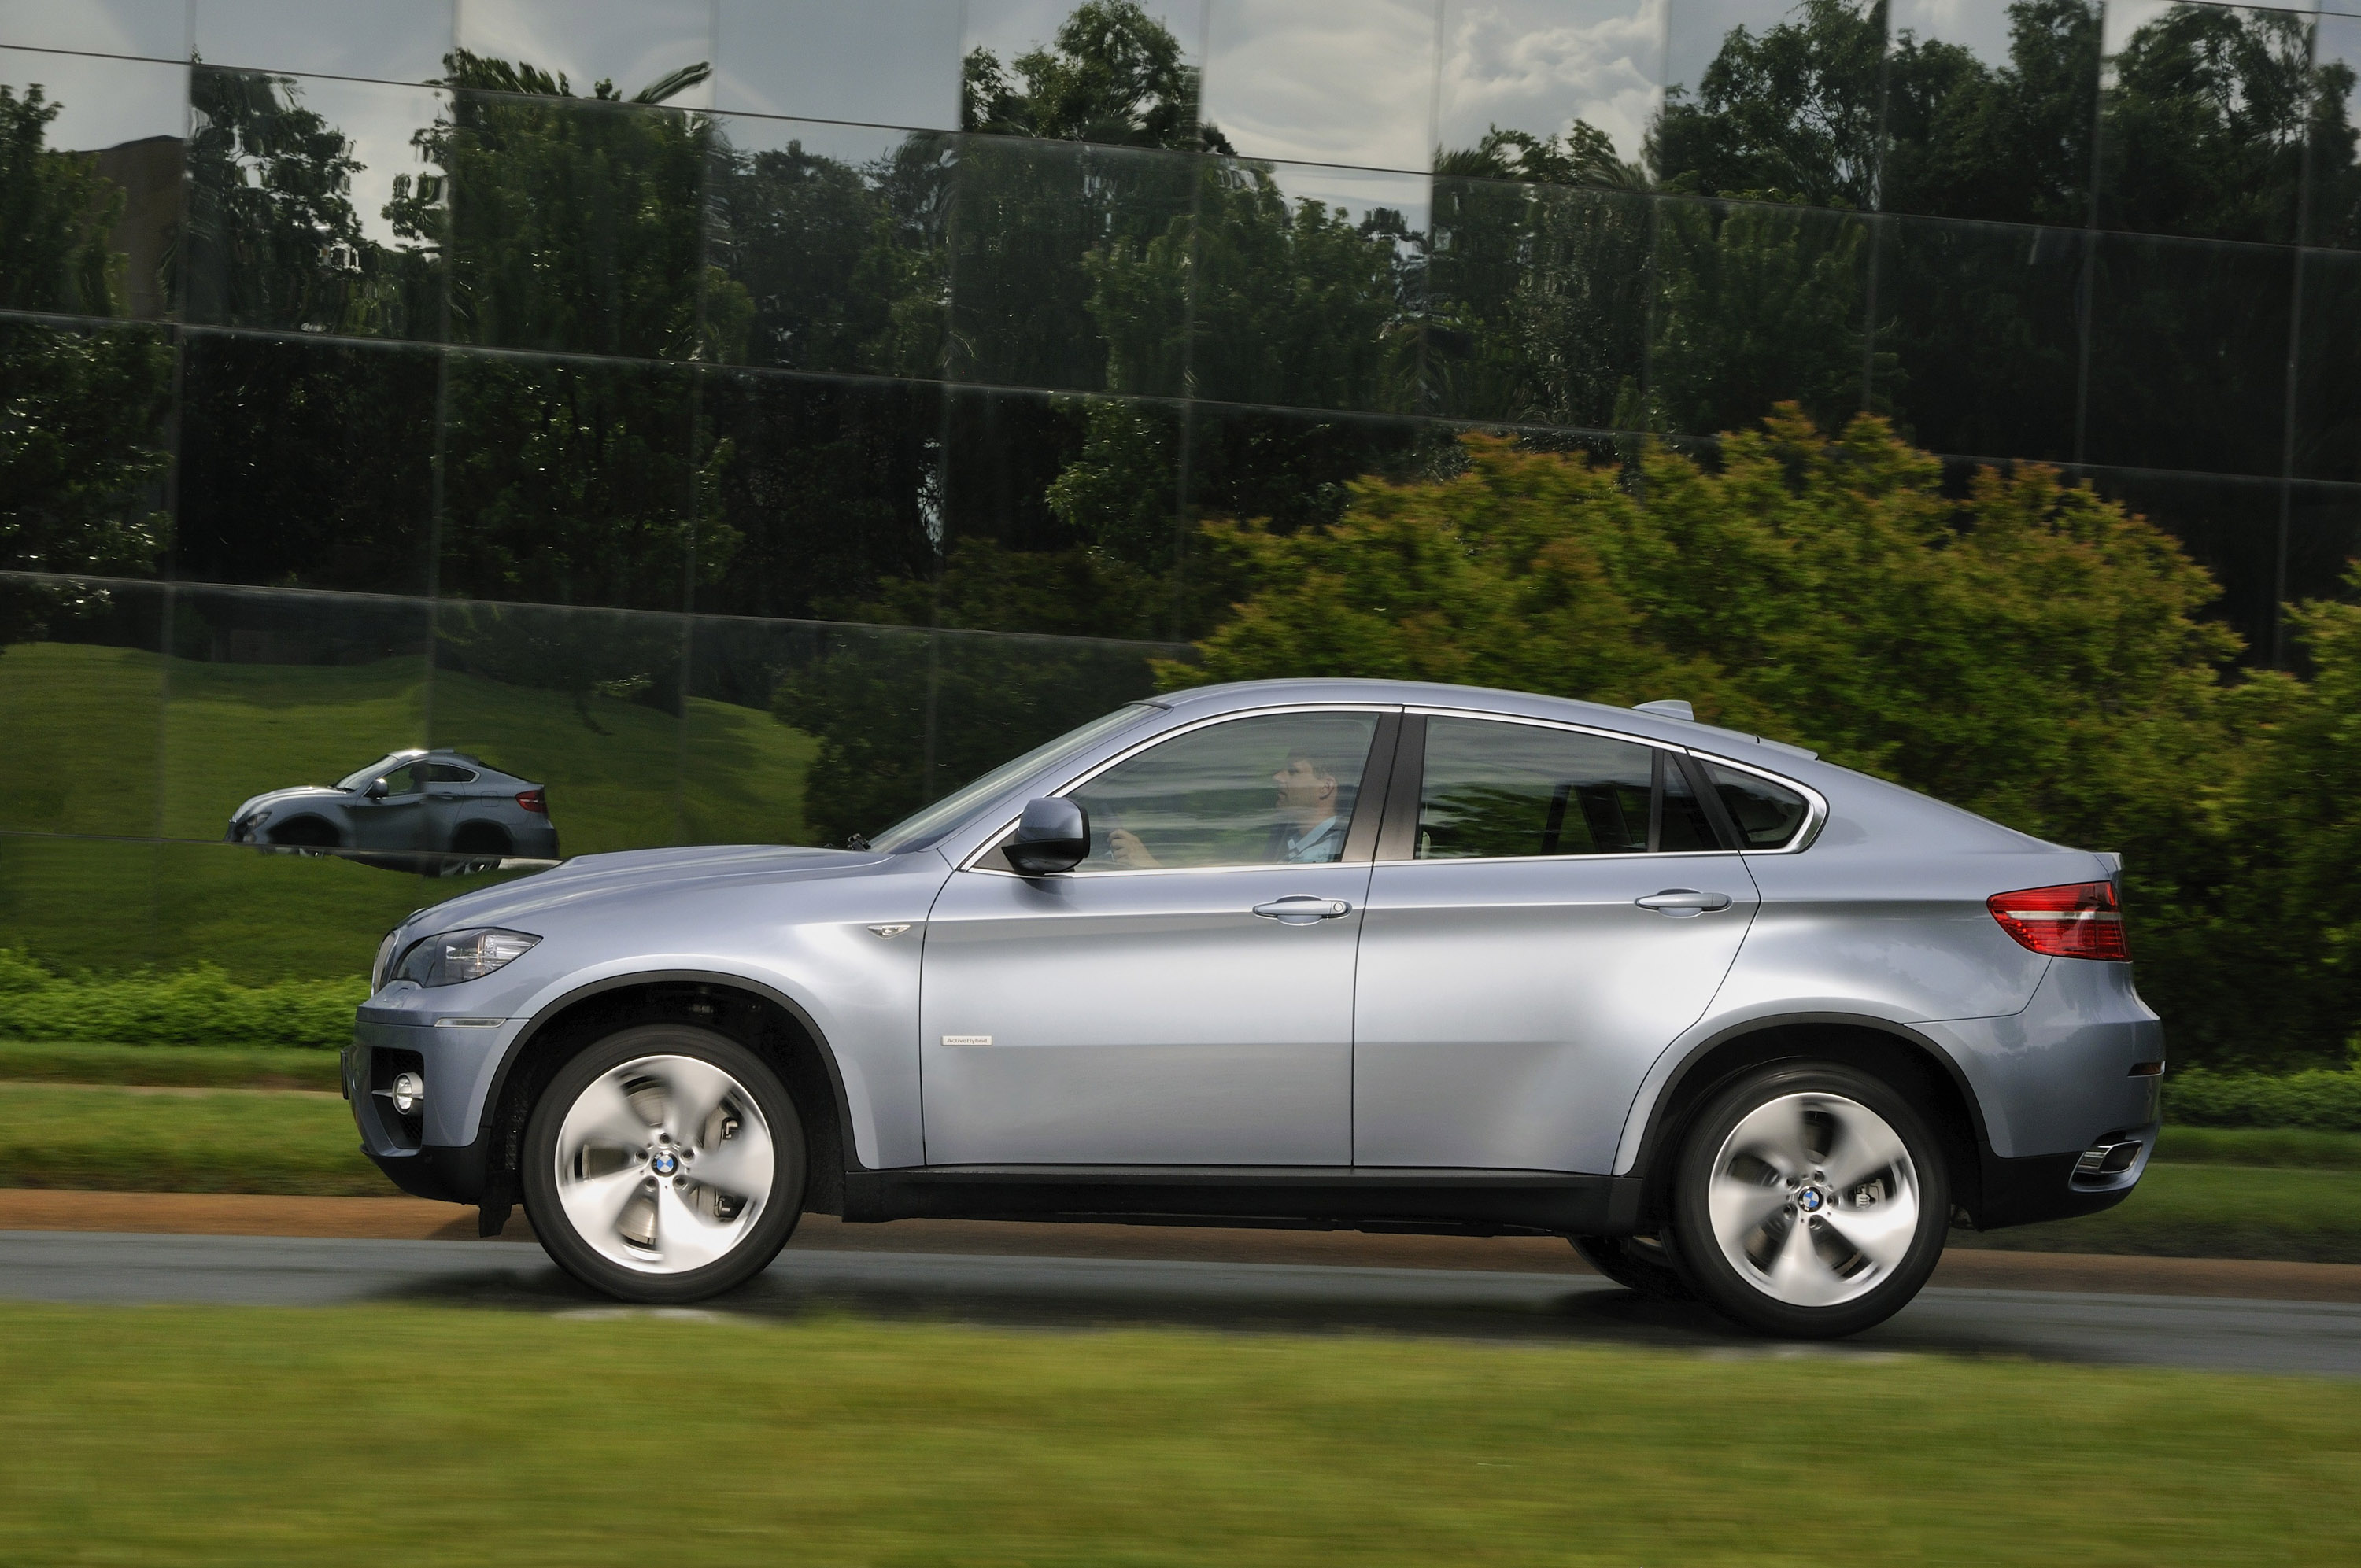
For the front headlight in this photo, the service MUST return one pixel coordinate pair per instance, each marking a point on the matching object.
(383, 962)
(457, 955)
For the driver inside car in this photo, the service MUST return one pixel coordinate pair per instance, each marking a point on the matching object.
(1310, 830)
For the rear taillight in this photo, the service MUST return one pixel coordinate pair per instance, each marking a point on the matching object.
(2075, 920)
(532, 801)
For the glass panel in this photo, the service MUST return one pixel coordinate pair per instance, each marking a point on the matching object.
(1767, 814)
(273, 698)
(2189, 354)
(82, 702)
(585, 703)
(1294, 470)
(997, 696)
(1552, 68)
(100, 239)
(1979, 336)
(158, 28)
(1052, 67)
(824, 490)
(300, 194)
(1757, 304)
(2324, 541)
(268, 915)
(1309, 287)
(2231, 527)
(1494, 790)
(573, 483)
(573, 225)
(830, 240)
(403, 41)
(87, 497)
(306, 464)
(627, 48)
(75, 905)
(2328, 366)
(1070, 265)
(1324, 80)
(893, 62)
(862, 698)
(1770, 98)
(1273, 790)
(1538, 308)
(1989, 110)
(2332, 173)
(744, 770)
(2204, 120)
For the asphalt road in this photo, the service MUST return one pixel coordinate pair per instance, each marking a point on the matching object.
(2223, 1334)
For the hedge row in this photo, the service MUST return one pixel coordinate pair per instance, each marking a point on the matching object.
(199, 1006)
(2330, 1100)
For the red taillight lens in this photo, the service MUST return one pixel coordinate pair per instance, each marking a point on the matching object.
(531, 800)
(2078, 920)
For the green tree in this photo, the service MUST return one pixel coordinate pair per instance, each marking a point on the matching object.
(1113, 75)
(55, 211)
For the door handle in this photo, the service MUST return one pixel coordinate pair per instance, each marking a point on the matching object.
(1682, 903)
(1302, 909)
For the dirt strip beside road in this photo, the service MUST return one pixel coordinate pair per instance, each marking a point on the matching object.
(411, 1219)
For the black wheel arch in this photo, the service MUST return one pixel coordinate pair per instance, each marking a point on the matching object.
(477, 836)
(1915, 1066)
(329, 836)
(757, 1017)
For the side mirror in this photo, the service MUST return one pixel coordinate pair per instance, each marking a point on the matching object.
(1054, 835)
(375, 789)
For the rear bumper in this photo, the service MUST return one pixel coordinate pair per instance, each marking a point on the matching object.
(2033, 1187)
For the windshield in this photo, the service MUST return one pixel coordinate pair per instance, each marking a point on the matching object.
(915, 831)
(382, 765)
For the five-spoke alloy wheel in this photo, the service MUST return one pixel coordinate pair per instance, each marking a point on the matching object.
(1809, 1200)
(664, 1164)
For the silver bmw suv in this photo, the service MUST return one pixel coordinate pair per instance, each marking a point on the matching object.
(1361, 954)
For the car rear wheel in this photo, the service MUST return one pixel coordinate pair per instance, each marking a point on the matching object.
(665, 1164)
(1810, 1201)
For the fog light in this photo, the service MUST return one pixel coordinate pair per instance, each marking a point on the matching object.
(409, 1092)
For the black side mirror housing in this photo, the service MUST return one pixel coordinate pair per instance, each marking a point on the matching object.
(375, 789)
(1054, 835)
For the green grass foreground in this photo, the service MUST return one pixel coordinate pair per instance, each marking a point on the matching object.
(193, 1140)
(205, 1067)
(262, 1436)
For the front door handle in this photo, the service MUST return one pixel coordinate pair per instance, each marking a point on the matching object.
(1302, 909)
(1683, 903)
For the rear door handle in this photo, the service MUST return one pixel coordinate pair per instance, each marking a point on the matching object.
(1682, 903)
(1302, 909)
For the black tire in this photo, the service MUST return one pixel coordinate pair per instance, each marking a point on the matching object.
(1838, 1279)
(304, 833)
(1637, 1263)
(480, 841)
(781, 1206)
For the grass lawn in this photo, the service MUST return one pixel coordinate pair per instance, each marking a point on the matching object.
(196, 1067)
(181, 1140)
(195, 1435)
(124, 745)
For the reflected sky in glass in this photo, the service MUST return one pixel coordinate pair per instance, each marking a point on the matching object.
(886, 63)
(630, 42)
(1540, 65)
(1011, 28)
(102, 103)
(1698, 26)
(392, 40)
(1324, 80)
(377, 119)
(1979, 27)
(158, 28)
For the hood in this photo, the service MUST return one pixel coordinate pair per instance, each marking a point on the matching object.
(636, 874)
(278, 797)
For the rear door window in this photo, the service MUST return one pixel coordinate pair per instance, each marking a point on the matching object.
(1494, 790)
(1768, 815)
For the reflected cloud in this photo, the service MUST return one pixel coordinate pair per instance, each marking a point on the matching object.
(1324, 80)
(629, 42)
(1539, 67)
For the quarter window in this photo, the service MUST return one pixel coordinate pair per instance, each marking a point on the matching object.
(444, 772)
(1273, 789)
(1768, 815)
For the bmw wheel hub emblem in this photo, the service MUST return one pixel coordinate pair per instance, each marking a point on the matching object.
(666, 1163)
(1810, 1201)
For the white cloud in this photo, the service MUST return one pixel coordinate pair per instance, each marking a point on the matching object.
(1539, 67)
(1324, 80)
(632, 42)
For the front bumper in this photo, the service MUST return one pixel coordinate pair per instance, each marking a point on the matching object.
(444, 1151)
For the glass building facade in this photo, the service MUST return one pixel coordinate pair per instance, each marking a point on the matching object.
(743, 420)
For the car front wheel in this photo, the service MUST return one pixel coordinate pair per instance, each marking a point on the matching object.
(1810, 1201)
(664, 1164)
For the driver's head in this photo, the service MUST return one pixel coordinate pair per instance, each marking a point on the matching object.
(1307, 788)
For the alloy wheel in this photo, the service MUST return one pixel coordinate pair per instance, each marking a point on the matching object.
(665, 1164)
(1814, 1199)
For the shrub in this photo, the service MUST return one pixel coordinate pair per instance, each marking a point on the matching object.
(2326, 1099)
(193, 1007)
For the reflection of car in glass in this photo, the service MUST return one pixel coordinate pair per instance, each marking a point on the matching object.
(1367, 954)
(404, 809)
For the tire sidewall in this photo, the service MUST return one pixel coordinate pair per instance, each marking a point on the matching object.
(538, 1159)
(1718, 1280)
